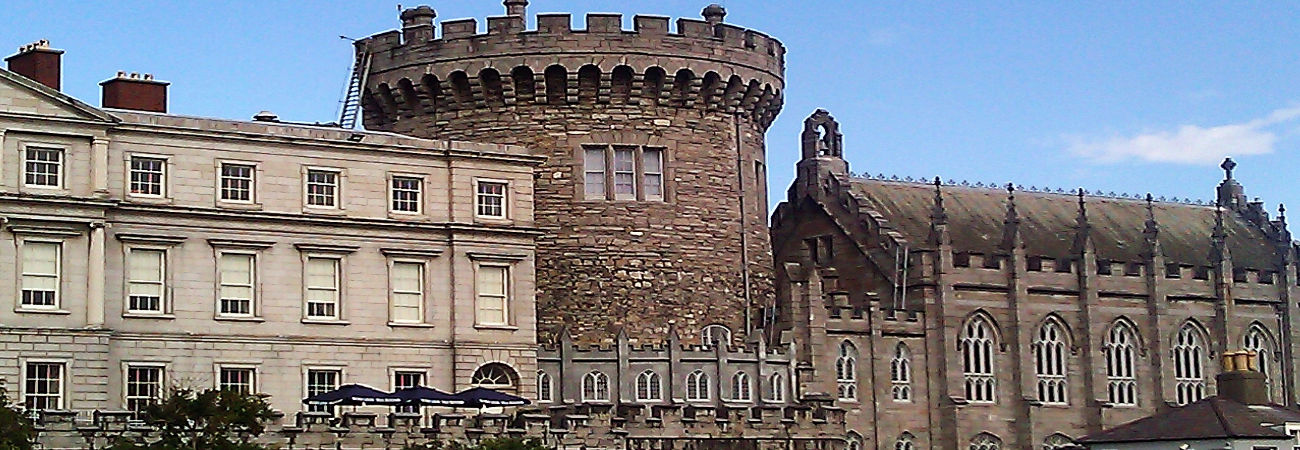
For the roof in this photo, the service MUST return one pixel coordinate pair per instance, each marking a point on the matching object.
(1048, 223)
(1211, 418)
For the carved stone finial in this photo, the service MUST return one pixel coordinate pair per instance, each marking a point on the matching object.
(1227, 166)
(1012, 215)
(938, 215)
(1281, 212)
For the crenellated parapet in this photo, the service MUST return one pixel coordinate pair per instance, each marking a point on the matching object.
(700, 64)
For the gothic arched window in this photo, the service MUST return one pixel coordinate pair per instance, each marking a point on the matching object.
(1057, 442)
(543, 387)
(854, 441)
(1189, 364)
(649, 387)
(976, 345)
(776, 388)
(595, 387)
(1050, 355)
(697, 386)
(1258, 340)
(900, 373)
(905, 442)
(740, 389)
(985, 441)
(846, 371)
(1121, 355)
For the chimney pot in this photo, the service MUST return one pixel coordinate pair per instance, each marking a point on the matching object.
(1239, 381)
(38, 62)
(135, 93)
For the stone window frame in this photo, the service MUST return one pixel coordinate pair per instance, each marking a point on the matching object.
(978, 343)
(1121, 365)
(1189, 353)
(509, 262)
(340, 190)
(220, 366)
(666, 193)
(242, 247)
(60, 241)
(165, 244)
(341, 255)
(599, 383)
(654, 386)
(308, 368)
(900, 374)
(742, 387)
(254, 201)
(422, 309)
(545, 387)
(165, 187)
(775, 388)
(506, 198)
(162, 368)
(1051, 346)
(64, 153)
(1259, 339)
(395, 371)
(422, 195)
(846, 372)
(64, 379)
(698, 386)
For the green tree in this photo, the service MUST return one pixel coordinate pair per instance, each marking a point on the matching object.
(212, 419)
(16, 430)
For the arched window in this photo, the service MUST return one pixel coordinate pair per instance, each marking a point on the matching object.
(715, 335)
(649, 387)
(495, 376)
(1050, 362)
(1057, 442)
(846, 371)
(697, 386)
(1121, 353)
(588, 83)
(557, 79)
(905, 442)
(543, 387)
(776, 388)
(1189, 364)
(595, 387)
(854, 441)
(653, 86)
(985, 441)
(620, 89)
(740, 389)
(900, 373)
(1258, 340)
(525, 84)
(976, 345)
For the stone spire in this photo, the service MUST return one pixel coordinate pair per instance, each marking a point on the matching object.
(938, 216)
(1151, 227)
(1011, 230)
(1083, 229)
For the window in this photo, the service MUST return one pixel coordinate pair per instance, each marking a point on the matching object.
(493, 298)
(854, 441)
(407, 379)
(1121, 351)
(490, 199)
(1189, 364)
(320, 381)
(43, 167)
(623, 172)
(143, 386)
(322, 188)
(900, 373)
(776, 388)
(237, 182)
(697, 386)
(846, 372)
(322, 288)
(985, 441)
(905, 442)
(407, 298)
(715, 335)
(976, 346)
(41, 267)
(43, 386)
(648, 387)
(1050, 362)
(1058, 442)
(544, 387)
(145, 285)
(237, 379)
(494, 376)
(236, 283)
(406, 194)
(147, 176)
(740, 389)
(1258, 340)
(595, 387)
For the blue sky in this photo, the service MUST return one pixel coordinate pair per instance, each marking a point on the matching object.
(1117, 96)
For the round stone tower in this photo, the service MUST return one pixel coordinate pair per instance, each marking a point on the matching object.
(653, 198)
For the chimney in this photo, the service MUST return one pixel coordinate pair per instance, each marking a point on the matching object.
(39, 62)
(1240, 381)
(135, 92)
(516, 8)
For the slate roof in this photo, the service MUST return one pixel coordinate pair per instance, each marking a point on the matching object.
(1212, 418)
(1048, 223)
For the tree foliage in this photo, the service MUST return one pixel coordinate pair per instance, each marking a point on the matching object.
(16, 430)
(212, 419)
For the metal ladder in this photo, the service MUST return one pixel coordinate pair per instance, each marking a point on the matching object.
(351, 108)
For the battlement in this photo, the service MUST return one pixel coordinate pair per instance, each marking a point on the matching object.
(703, 64)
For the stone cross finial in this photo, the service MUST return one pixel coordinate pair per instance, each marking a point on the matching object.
(1227, 166)
(516, 7)
(938, 215)
(1281, 213)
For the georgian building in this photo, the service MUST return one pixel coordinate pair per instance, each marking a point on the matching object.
(945, 315)
(142, 249)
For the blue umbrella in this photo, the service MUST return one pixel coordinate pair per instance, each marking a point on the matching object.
(480, 397)
(424, 396)
(353, 395)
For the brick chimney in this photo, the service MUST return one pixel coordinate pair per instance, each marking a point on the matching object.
(38, 62)
(1240, 380)
(136, 92)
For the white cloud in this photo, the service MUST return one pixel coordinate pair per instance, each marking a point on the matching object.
(1189, 144)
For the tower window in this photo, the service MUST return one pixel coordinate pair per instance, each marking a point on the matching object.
(623, 172)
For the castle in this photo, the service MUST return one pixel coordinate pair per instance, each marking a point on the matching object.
(579, 216)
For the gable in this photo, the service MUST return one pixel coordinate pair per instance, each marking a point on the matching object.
(22, 96)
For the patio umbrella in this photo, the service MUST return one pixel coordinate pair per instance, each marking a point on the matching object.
(353, 395)
(425, 396)
(483, 397)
